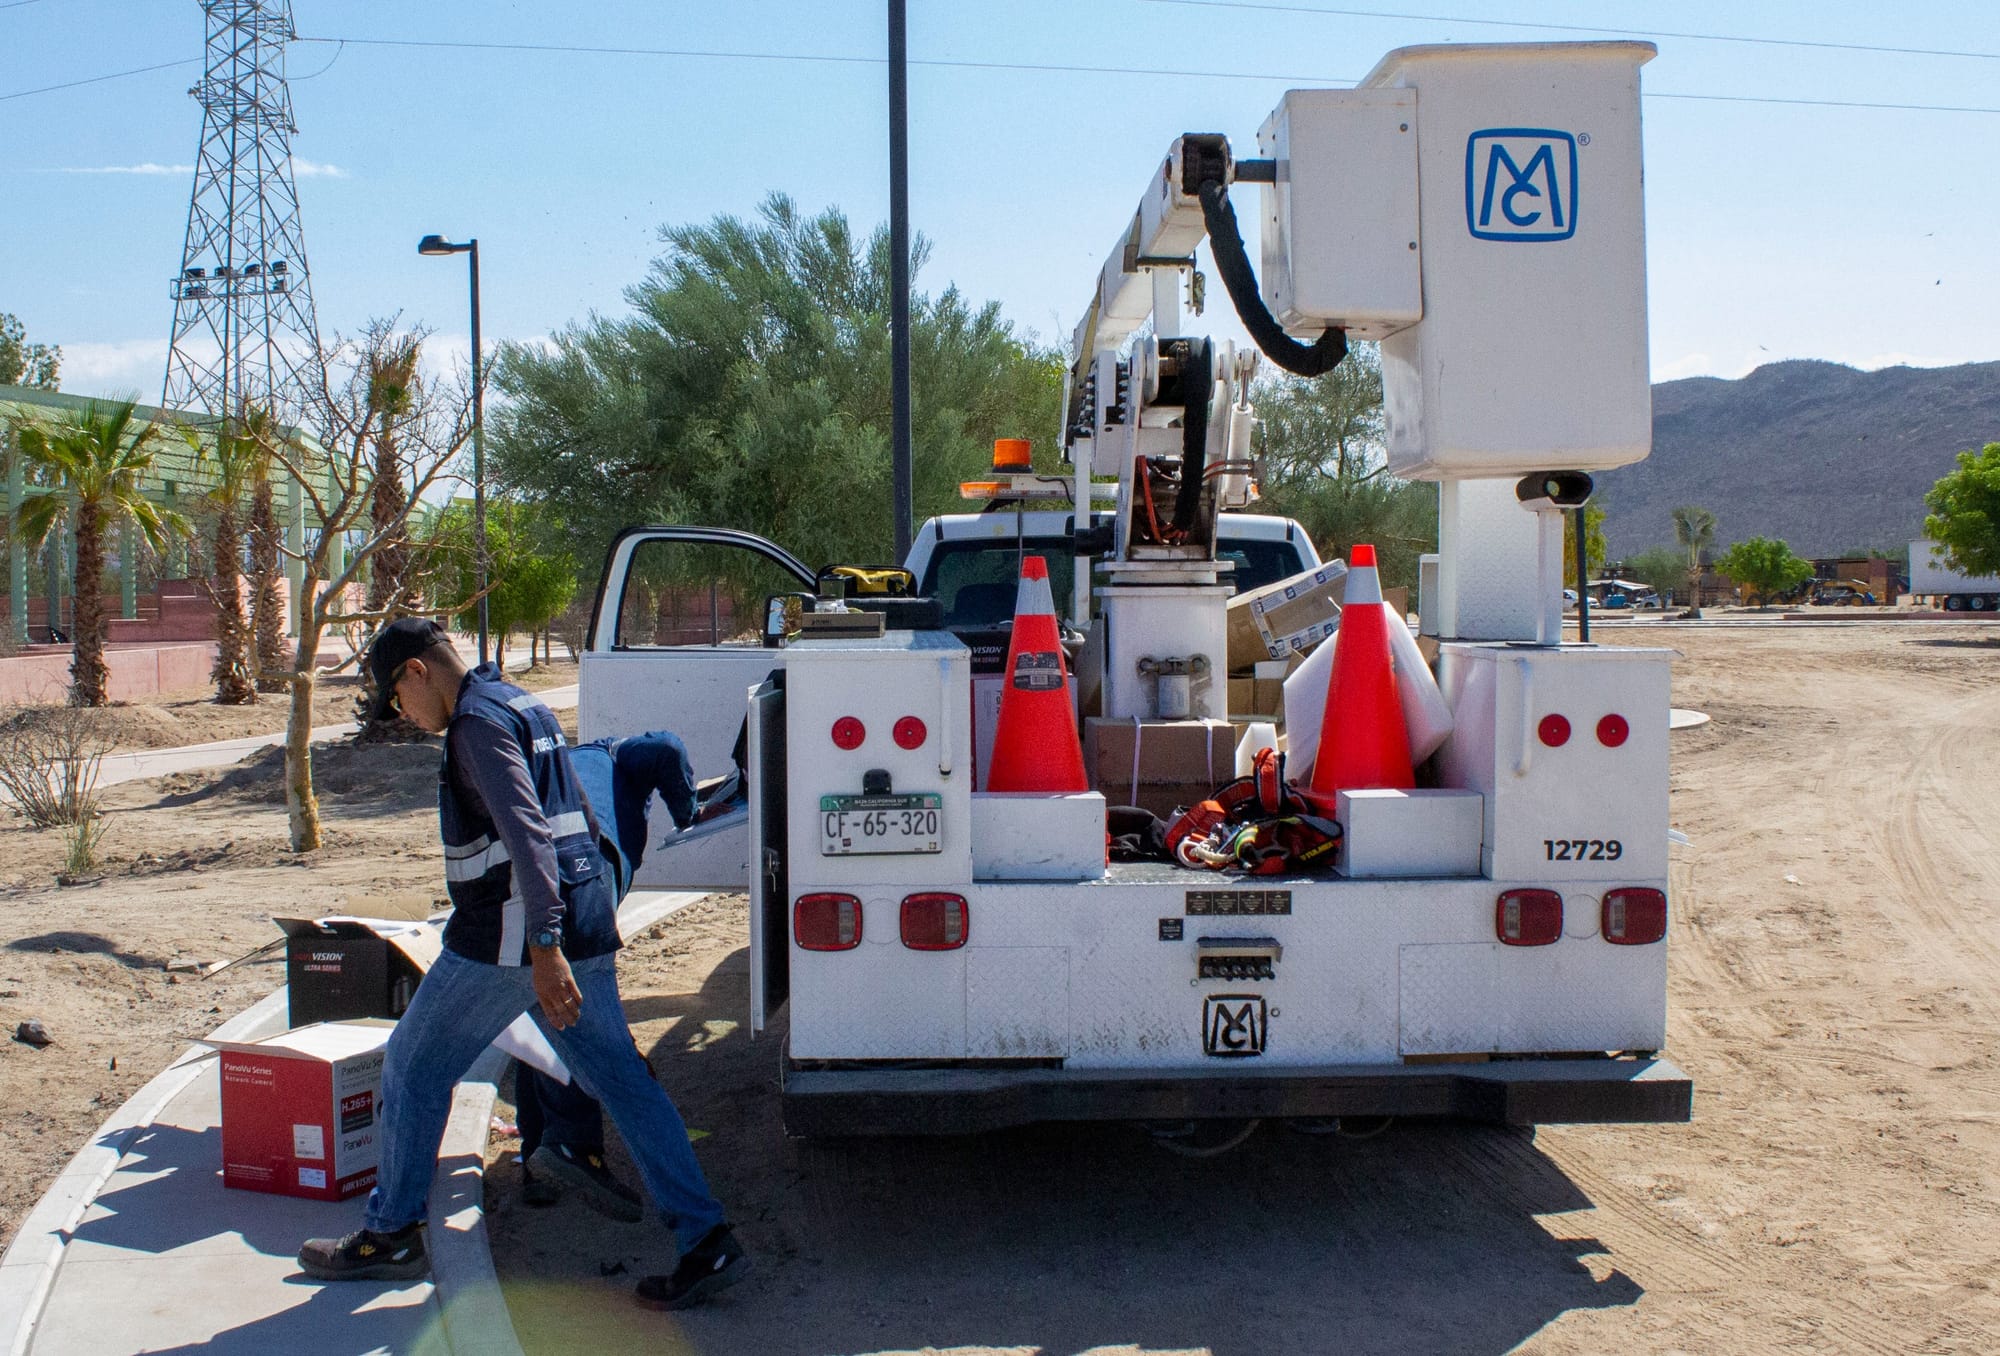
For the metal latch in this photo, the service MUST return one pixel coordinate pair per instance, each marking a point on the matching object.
(1237, 957)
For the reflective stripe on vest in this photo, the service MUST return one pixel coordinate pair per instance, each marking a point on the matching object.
(470, 861)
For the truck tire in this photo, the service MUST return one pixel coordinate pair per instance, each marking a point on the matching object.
(1954, 603)
(1979, 602)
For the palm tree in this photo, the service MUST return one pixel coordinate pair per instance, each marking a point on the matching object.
(100, 456)
(240, 462)
(1694, 527)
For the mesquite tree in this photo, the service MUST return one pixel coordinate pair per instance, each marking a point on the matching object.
(338, 476)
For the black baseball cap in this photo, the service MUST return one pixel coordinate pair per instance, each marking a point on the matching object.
(395, 645)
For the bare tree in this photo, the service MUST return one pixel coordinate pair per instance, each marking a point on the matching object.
(338, 477)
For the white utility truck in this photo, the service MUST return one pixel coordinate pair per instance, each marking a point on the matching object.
(1490, 945)
(1931, 578)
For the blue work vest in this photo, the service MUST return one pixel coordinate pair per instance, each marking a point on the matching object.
(489, 919)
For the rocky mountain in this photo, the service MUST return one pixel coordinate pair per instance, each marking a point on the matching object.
(1826, 457)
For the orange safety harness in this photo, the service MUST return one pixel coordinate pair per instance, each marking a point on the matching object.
(1260, 824)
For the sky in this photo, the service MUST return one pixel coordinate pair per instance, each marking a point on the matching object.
(1819, 176)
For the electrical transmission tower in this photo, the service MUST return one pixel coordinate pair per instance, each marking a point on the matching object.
(244, 329)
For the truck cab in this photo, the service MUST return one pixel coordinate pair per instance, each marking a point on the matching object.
(677, 634)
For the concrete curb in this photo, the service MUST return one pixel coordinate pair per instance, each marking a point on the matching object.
(28, 1270)
(476, 1319)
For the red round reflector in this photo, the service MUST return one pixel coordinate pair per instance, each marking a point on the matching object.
(1634, 916)
(1528, 917)
(849, 732)
(827, 922)
(1554, 731)
(910, 733)
(935, 922)
(1612, 731)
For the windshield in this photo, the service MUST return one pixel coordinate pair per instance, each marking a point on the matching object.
(975, 582)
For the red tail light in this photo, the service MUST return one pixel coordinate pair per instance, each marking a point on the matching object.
(935, 922)
(1634, 916)
(827, 922)
(1528, 917)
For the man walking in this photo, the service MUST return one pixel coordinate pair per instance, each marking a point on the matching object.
(533, 929)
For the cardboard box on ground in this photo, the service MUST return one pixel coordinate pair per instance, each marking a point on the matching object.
(344, 967)
(301, 1110)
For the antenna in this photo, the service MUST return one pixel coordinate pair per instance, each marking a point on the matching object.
(244, 328)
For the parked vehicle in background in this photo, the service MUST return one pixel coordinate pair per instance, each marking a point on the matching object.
(1945, 587)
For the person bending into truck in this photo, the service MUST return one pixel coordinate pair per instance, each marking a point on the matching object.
(562, 1125)
(533, 929)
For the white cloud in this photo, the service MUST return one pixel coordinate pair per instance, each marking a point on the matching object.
(120, 368)
(301, 169)
(146, 167)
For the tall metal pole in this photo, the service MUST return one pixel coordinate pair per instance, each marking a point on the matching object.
(899, 277)
(478, 453)
(1582, 576)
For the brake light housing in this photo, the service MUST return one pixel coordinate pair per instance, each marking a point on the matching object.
(935, 921)
(827, 922)
(1633, 916)
(1528, 917)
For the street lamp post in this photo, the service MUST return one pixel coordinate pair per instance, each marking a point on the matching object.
(437, 245)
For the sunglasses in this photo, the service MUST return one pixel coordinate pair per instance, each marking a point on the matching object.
(395, 684)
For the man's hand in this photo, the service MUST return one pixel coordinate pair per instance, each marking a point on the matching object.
(555, 986)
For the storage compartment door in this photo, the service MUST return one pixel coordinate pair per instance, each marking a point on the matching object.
(770, 882)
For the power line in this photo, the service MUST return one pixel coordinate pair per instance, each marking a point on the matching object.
(1048, 68)
(1582, 28)
(1098, 70)
(819, 57)
(97, 79)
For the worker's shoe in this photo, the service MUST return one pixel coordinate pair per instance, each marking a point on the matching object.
(586, 1172)
(715, 1263)
(365, 1255)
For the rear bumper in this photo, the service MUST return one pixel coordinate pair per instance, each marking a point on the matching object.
(958, 1101)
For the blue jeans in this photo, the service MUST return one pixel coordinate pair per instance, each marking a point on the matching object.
(458, 1010)
(554, 1113)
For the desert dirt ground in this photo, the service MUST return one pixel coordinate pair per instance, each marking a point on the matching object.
(1835, 995)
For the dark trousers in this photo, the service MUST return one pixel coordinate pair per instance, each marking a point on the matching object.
(558, 1113)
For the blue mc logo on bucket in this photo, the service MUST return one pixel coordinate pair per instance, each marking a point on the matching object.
(1520, 184)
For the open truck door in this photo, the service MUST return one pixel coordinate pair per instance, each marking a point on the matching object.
(676, 643)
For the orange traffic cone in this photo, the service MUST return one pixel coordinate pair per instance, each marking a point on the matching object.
(1035, 746)
(1362, 742)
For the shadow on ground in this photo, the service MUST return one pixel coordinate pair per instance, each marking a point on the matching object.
(1063, 1239)
(169, 1205)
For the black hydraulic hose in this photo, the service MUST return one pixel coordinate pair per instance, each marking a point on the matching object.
(1225, 241)
(1198, 388)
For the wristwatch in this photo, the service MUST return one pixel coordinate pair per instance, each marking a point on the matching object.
(547, 937)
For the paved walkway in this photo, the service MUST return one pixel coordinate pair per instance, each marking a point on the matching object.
(128, 767)
(138, 1247)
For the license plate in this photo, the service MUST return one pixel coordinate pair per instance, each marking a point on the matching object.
(851, 825)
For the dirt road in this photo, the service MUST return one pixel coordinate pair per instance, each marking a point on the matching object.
(1835, 995)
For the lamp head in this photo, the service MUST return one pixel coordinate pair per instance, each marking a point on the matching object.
(437, 244)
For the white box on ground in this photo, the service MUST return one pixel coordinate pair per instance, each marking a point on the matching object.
(1427, 832)
(1028, 836)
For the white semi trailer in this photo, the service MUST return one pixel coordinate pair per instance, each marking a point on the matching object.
(1491, 946)
(1931, 578)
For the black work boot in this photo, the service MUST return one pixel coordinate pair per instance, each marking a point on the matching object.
(586, 1172)
(715, 1263)
(365, 1255)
